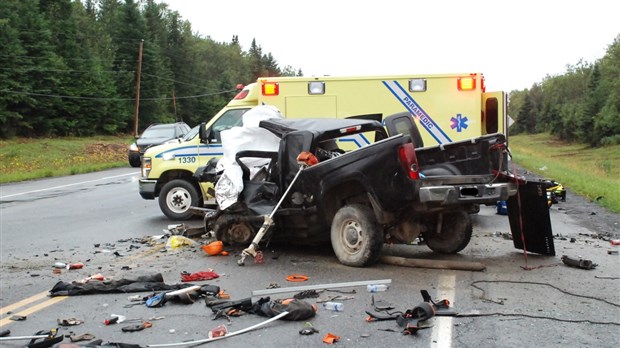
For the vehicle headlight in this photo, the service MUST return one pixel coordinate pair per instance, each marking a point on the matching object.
(168, 156)
(134, 147)
(146, 166)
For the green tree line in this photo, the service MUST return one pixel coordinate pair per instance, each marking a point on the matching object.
(70, 67)
(581, 105)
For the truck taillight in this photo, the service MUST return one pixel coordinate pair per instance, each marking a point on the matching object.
(466, 83)
(409, 161)
(350, 129)
(270, 88)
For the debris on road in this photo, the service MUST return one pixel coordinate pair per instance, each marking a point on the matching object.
(297, 278)
(49, 338)
(219, 331)
(138, 327)
(176, 242)
(308, 330)
(578, 263)
(331, 338)
(152, 282)
(69, 322)
(213, 248)
(77, 265)
(319, 287)
(435, 264)
(197, 276)
(82, 337)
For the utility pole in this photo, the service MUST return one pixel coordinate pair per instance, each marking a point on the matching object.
(135, 121)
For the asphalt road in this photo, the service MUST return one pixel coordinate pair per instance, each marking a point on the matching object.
(99, 219)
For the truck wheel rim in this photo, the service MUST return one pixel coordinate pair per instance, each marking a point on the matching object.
(179, 200)
(352, 237)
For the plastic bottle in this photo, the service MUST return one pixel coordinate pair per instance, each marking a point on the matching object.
(333, 306)
(75, 265)
(376, 287)
(60, 265)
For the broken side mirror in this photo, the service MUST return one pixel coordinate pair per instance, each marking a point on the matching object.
(204, 133)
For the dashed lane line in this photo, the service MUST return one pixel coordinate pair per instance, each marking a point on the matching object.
(441, 336)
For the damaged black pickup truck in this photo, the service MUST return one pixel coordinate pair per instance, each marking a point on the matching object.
(393, 190)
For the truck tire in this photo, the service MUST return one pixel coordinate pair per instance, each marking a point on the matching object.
(455, 234)
(356, 237)
(134, 161)
(175, 199)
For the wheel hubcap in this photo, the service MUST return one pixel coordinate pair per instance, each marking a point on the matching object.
(239, 233)
(352, 236)
(179, 200)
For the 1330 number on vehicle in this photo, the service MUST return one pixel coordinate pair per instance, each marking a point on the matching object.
(184, 160)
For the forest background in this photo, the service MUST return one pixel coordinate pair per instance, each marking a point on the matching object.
(69, 67)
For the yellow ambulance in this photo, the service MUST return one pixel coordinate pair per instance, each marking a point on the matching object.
(446, 108)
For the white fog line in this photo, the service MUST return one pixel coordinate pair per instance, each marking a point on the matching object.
(62, 186)
(441, 336)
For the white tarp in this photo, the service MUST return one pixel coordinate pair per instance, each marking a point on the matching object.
(247, 137)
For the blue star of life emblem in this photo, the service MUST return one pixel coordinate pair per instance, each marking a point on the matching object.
(459, 122)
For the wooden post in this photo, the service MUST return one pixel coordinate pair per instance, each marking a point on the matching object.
(135, 121)
(437, 264)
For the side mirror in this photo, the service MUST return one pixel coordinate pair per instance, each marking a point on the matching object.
(204, 133)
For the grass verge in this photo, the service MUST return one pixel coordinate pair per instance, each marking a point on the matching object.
(25, 159)
(590, 172)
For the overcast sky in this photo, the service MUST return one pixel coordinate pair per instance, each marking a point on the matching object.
(513, 43)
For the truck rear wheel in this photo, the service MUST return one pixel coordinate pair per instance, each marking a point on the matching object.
(452, 236)
(356, 237)
(175, 199)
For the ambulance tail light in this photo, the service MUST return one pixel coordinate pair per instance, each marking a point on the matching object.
(466, 83)
(408, 160)
(270, 88)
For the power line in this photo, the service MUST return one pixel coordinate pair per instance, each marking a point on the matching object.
(112, 99)
(38, 69)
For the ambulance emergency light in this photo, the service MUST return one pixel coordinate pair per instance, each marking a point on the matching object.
(417, 85)
(270, 88)
(466, 83)
(316, 87)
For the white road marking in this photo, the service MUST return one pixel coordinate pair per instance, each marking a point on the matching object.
(441, 336)
(73, 184)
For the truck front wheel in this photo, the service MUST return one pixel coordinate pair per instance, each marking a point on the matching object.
(175, 199)
(450, 233)
(356, 237)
